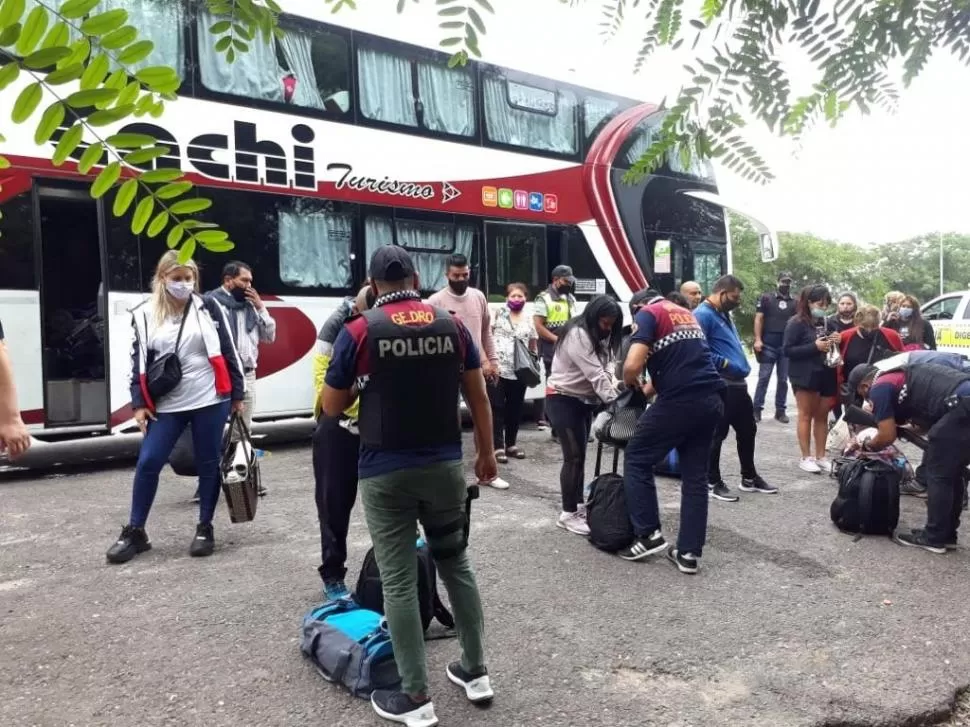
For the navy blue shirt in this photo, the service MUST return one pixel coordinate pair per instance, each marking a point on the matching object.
(350, 360)
(680, 365)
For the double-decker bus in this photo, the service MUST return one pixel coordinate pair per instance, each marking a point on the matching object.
(317, 147)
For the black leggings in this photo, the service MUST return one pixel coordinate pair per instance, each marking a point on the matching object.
(506, 397)
(571, 419)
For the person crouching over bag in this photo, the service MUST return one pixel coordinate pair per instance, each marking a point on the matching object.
(336, 447)
(184, 370)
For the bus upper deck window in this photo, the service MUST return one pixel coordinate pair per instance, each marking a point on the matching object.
(534, 118)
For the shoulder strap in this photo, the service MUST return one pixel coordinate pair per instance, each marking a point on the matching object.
(185, 314)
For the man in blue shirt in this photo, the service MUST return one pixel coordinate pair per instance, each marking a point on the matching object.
(732, 364)
(406, 360)
(684, 416)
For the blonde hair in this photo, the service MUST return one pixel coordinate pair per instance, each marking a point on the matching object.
(894, 297)
(162, 302)
(867, 317)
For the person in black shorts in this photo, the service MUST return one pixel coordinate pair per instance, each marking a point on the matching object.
(808, 337)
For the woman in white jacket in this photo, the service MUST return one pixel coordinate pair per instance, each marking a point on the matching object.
(178, 324)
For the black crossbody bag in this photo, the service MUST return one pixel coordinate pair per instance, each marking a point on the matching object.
(165, 372)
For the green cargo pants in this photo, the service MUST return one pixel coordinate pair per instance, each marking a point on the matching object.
(393, 504)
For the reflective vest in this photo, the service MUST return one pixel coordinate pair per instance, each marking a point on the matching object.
(558, 312)
(411, 397)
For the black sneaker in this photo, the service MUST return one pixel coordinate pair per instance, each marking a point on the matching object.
(399, 707)
(720, 491)
(917, 539)
(756, 484)
(685, 563)
(757, 415)
(130, 543)
(204, 542)
(644, 547)
(913, 489)
(782, 417)
(477, 687)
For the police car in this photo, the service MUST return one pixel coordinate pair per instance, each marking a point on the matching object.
(950, 317)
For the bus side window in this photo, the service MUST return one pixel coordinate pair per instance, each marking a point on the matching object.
(17, 243)
(160, 21)
(535, 118)
(316, 244)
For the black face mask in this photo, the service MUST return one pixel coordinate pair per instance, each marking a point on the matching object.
(867, 334)
(604, 334)
(238, 294)
(458, 286)
(728, 305)
(565, 288)
(784, 289)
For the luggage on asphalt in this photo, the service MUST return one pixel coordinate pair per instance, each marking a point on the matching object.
(239, 470)
(868, 497)
(351, 646)
(606, 512)
(370, 591)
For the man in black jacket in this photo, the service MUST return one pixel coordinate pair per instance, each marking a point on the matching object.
(770, 318)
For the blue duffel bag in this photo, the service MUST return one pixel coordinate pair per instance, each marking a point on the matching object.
(350, 645)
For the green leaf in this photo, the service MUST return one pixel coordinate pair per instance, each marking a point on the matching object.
(46, 57)
(127, 140)
(74, 9)
(158, 224)
(11, 11)
(486, 5)
(66, 144)
(128, 94)
(120, 38)
(58, 36)
(477, 20)
(450, 41)
(157, 76)
(220, 27)
(95, 72)
(26, 103)
(218, 246)
(141, 156)
(446, 12)
(9, 35)
(211, 236)
(91, 156)
(143, 213)
(82, 99)
(106, 179)
(33, 31)
(50, 121)
(4, 163)
(223, 44)
(80, 50)
(136, 52)
(124, 198)
(104, 23)
(240, 45)
(110, 116)
(64, 75)
(9, 73)
(190, 206)
(160, 176)
(187, 251)
(175, 189)
(174, 236)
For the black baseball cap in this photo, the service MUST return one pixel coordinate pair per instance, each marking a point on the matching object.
(857, 376)
(562, 271)
(784, 276)
(390, 263)
(640, 298)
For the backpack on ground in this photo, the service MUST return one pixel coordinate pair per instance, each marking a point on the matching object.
(370, 590)
(868, 498)
(606, 512)
(351, 646)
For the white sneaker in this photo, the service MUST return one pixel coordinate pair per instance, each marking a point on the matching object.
(808, 464)
(498, 483)
(574, 522)
(825, 465)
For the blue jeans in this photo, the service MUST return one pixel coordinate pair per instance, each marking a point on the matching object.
(772, 360)
(663, 427)
(207, 434)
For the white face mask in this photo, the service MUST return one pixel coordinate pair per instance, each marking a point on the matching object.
(179, 289)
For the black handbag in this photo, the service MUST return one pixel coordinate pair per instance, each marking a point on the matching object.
(525, 364)
(616, 424)
(239, 470)
(165, 372)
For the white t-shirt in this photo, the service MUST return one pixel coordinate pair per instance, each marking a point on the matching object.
(197, 389)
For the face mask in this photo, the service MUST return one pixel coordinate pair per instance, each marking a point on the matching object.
(238, 294)
(179, 289)
(565, 288)
(604, 334)
(516, 305)
(818, 314)
(905, 313)
(728, 305)
(866, 334)
(458, 286)
(784, 289)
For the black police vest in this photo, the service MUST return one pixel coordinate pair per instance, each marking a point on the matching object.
(411, 397)
(928, 387)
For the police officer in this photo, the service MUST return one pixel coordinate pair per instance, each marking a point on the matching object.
(336, 444)
(407, 359)
(770, 319)
(554, 306)
(934, 398)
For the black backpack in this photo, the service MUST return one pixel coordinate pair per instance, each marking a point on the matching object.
(370, 591)
(606, 512)
(868, 499)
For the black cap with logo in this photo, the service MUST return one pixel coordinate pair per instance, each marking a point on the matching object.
(563, 271)
(390, 263)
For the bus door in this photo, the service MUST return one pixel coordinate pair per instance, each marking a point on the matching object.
(670, 255)
(515, 253)
(706, 262)
(71, 270)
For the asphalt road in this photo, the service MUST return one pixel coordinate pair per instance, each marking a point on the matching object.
(789, 622)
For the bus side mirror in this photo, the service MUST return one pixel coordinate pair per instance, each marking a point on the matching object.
(769, 248)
